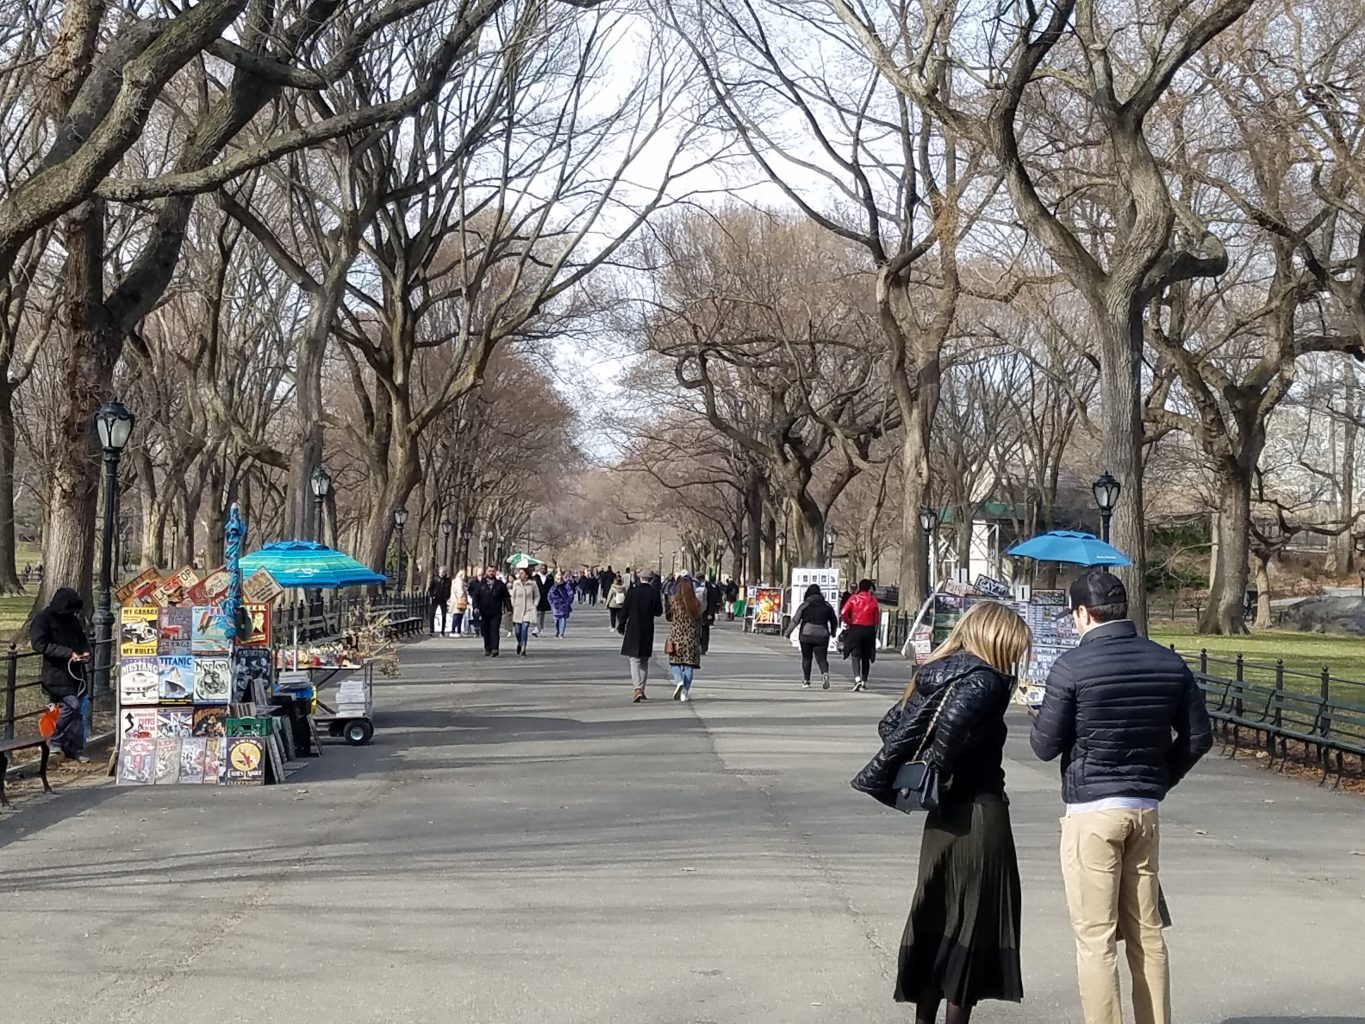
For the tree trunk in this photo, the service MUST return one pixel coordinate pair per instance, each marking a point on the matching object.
(92, 350)
(9, 575)
(1341, 556)
(1263, 610)
(914, 580)
(1227, 588)
(1121, 449)
(753, 511)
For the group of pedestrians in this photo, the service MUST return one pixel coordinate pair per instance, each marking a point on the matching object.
(1127, 720)
(522, 603)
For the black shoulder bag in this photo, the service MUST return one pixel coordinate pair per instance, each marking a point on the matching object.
(917, 781)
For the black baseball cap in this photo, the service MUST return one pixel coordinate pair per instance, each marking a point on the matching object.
(1096, 588)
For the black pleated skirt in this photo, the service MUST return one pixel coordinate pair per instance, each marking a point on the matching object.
(961, 942)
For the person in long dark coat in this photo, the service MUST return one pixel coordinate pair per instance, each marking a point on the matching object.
(644, 604)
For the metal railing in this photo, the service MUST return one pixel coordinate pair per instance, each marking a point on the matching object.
(24, 699)
(339, 614)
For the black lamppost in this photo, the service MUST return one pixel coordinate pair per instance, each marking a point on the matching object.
(781, 568)
(928, 522)
(1362, 584)
(400, 520)
(1106, 491)
(322, 485)
(487, 548)
(502, 551)
(720, 558)
(447, 528)
(113, 427)
(831, 535)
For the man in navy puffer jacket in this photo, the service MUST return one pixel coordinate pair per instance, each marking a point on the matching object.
(1126, 718)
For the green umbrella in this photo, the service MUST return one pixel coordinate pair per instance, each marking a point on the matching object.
(521, 560)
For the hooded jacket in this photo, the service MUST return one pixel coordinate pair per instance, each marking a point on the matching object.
(56, 633)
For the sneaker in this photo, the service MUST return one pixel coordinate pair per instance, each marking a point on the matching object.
(857, 683)
(518, 650)
(488, 654)
(678, 692)
(639, 696)
(496, 653)
(684, 698)
(806, 685)
(81, 759)
(824, 685)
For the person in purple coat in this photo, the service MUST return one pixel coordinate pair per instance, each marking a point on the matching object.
(561, 603)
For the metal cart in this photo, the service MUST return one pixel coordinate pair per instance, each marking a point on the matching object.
(345, 713)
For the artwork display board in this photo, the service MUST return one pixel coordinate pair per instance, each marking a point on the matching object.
(827, 579)
(181, 681)
(767, 610)
(1045, 611)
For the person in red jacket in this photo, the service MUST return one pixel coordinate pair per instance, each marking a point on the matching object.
(861, 614)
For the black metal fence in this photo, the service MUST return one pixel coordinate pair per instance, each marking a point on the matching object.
(24, 700)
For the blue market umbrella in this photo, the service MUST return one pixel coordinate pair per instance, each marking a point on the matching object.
(301, 563)
(1070, 546)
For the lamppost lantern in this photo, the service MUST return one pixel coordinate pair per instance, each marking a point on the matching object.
(831, 535)
(113, 426)
(1106, 491)
(320, 482)
(446, 527)
(400, 520)
(928, 522)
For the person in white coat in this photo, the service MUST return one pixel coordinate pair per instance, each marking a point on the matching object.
(525, 598)
(459, 601)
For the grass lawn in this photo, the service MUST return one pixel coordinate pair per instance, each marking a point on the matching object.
(1306, 653)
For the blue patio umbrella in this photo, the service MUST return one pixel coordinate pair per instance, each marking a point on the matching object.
(301, 563)
(1070, 546)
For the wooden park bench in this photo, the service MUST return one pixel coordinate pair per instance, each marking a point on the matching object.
(8, 747)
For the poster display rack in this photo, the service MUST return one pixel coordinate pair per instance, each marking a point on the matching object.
(1045, 611)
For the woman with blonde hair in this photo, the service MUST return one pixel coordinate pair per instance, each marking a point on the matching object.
(961, 942)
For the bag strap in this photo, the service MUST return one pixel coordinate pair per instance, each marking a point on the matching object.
(933, 722)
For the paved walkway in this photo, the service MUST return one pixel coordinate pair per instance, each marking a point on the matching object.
(521, 845)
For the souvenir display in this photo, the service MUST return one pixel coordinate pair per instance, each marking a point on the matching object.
(139, 681)
(212, 680)
(174, 722)
(245, 761)
(192, 760)
(167, 760)
(174, 626)
(210, 721)
(137, 761)
(138, 632)
(209, 636)
(177, 677)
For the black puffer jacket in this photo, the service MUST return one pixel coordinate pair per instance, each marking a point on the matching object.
(969, 739)
(1110, 711)
(56, 634)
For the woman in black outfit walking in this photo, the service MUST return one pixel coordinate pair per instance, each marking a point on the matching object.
(961, 942)
(814, 623)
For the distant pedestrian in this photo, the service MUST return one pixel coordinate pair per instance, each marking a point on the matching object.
(731, 590)
(545, 579)
(459, 596)
(438, 593)
(525, 595)
(684, 637)
(1128, 721)
(607, 579)
(616, 597)
(814, 622)
(712, 601)
(490, 598)
(862, 615)
(961, 940)
(643, 604)
(561, 603)
(56, 633)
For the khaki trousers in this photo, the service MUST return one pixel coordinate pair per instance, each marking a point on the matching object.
(1109, 865)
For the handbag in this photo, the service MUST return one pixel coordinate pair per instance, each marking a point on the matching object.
(917, 781)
